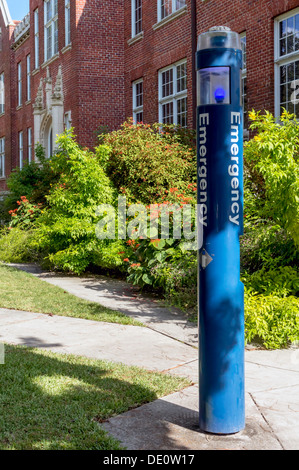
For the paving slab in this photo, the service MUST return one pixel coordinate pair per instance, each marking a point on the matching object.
(132, 345)
(280, 408)
(171, 423)
(272, 377)
(119, 295)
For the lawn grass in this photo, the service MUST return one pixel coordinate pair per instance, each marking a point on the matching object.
(51, 401)
(23, 291)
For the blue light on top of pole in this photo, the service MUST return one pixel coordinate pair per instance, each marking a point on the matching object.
(219, 95)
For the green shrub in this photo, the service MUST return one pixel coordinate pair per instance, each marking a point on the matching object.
(109, 254)
(271, 160)
(67, 227)
(25, 215)
(283, 281)
(33, 181)
(271, 194)
(19, 246)
(271, 320)
(179, 280)
(4, 214)
(268, 246)
(145, 163)
(272, 306)
(166, 266)
(148, 255)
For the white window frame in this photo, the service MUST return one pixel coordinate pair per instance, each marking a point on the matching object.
(28, 70)
(2, 93)
(36, 39)
(52, 48)
(20, 84)
(2, 157)
(135, 32)
(174, 8)
(67, 14)
(21, 149)
(175, 96)
(244, 74)
(282, 60)
(137, 109)
(29, 144)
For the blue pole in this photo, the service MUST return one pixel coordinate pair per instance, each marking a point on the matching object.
(220, 221)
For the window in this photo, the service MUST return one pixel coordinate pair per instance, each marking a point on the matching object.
(173, 94)
(244, 81)
(2, 157)
(28, 77)
(36, 39)
(2, 93)
(167, 7)
(138, 101)
(67, 22)
(68, 120)
(19, 84)
(287, 63)
(21, 150)
(29, 141)
(136, 17)
(51, 28)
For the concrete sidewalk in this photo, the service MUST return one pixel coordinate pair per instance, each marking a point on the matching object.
(170, 423)
(119, 295)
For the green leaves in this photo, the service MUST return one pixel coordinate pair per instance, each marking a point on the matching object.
(67, 227)
(273, 154)
(272, 306)
(144, 162)
(271, 319)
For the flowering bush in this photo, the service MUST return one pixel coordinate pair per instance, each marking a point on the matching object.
(25, 214)
(145, 162)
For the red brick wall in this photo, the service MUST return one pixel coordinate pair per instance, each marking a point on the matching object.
(22, 115)
(6, 63)
(173, 41)
(158, 48)
(100, 62)
(100, 66)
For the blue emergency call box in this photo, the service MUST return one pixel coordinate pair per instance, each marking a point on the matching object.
(220, 224)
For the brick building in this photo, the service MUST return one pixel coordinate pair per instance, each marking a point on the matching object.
(93, 63)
